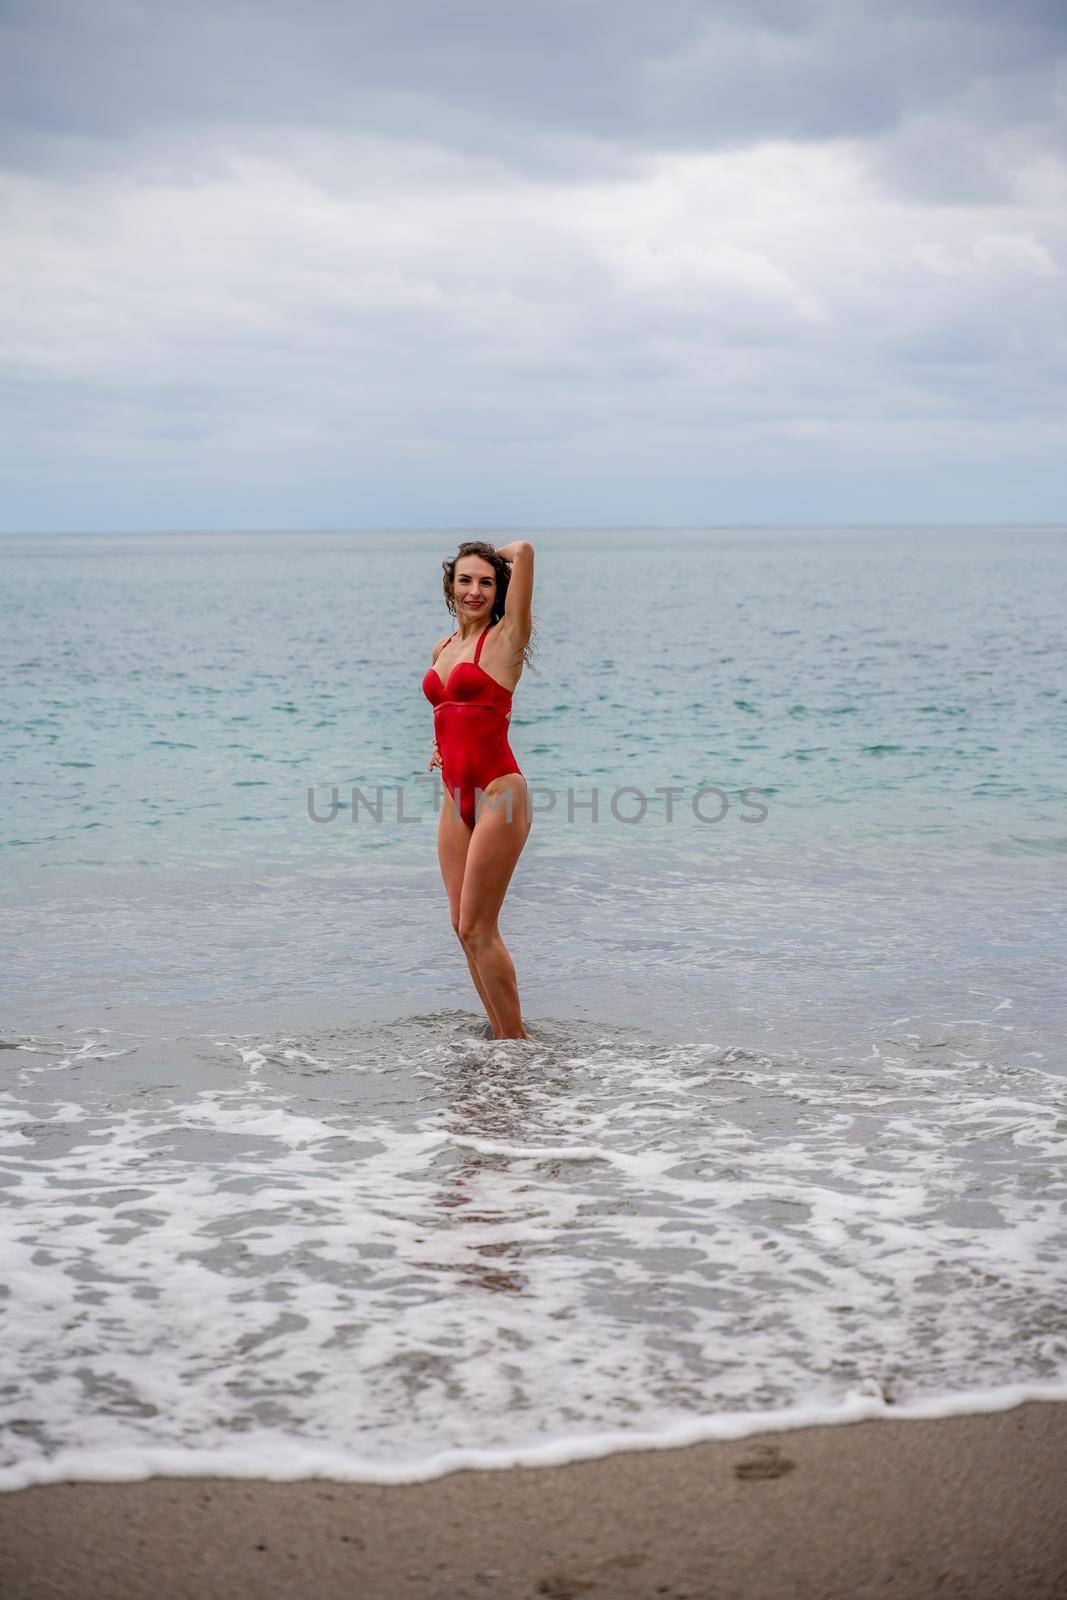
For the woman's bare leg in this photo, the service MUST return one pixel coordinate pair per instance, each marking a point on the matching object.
(453, 840)
(494, 848)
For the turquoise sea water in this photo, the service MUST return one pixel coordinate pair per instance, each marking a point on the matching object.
(209, 995)
(896, 697)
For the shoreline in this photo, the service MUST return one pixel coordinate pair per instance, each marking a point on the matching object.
(967, 1506)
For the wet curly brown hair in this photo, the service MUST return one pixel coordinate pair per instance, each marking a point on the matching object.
(502, 568)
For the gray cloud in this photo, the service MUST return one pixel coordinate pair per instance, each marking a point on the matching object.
(652, 73)
(657, 261)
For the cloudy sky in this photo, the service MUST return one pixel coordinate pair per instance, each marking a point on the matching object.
(527, 263)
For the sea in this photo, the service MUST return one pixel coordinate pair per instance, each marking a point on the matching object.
(786, 1141)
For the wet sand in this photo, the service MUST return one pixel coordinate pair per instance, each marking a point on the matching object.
(971, 1508)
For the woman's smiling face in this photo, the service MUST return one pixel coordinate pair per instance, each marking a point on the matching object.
(474, 586)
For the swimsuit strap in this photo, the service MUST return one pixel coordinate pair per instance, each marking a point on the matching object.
(481, 641)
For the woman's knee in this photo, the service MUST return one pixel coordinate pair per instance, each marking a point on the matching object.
(474, 934)
(466, 932)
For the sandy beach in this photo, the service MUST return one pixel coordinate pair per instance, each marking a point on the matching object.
(962, 1506)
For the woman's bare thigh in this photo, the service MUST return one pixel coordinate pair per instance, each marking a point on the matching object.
(495, 845)
(453, 841)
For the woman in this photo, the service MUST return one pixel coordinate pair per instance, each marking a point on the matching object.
(485, 820)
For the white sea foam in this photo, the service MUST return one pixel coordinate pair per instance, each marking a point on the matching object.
(280, 1458)
(370, 1256)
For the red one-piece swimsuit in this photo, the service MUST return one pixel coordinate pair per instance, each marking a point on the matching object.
(470, 722)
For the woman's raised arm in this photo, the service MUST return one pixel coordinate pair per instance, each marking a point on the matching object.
(518, 601)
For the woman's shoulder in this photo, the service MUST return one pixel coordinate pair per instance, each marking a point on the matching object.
(438, 647)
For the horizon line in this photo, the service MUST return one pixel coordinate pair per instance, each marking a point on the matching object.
(513, 528)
